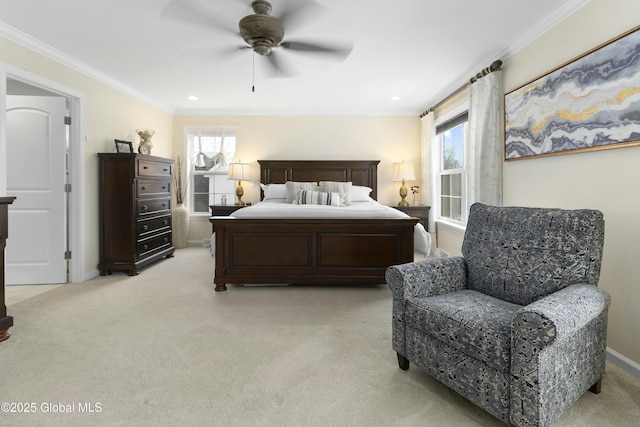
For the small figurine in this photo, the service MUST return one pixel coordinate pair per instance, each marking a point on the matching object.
(145, 140)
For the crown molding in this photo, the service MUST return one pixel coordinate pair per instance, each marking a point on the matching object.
(35, 45)
(518, 44)
(559, 15)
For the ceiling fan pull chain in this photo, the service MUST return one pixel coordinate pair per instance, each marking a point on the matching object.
(253, 73)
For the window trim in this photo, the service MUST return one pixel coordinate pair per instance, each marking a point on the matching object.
(190, 165)
(448, 121)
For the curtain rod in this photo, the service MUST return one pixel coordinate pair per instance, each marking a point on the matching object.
(495, 66)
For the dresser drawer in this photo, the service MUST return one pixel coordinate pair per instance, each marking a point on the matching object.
(146, 207)
(147, 247)
(151, 168)
(149, 187)
(153, 225)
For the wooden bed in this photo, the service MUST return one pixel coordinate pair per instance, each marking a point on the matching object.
(311, 251)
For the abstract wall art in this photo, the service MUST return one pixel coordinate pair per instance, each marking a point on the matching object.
(590, 103)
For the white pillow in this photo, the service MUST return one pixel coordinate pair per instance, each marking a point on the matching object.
(360, 193)
(317, 198)
(294, 187)
(274, 191)
(344, 188)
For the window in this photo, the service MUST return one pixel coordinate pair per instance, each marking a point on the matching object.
(209, 153)
(451, 138)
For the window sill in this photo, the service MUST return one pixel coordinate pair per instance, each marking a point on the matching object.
(199, 216)
(454, 226)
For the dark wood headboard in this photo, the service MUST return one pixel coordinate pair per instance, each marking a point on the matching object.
(359, 172)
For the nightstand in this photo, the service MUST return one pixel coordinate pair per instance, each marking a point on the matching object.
(418, 211)
(223, 210)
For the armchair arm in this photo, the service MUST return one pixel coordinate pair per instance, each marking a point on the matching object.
(427, 278)
(421, 279)
(558, 351)
(559, 314)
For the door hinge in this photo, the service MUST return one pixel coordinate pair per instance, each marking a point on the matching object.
(67, 255)
(67, 120)
(67, 188)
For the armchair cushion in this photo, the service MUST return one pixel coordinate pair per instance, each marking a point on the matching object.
(522, 254)
(472, 322)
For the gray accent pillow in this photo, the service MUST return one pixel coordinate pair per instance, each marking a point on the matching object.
(294, 187)
(344, 188)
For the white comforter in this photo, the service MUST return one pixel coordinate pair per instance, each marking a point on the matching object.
(369, 210)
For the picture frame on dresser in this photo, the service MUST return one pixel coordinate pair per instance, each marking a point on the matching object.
(123, 146)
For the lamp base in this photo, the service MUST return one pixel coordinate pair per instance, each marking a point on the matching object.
(403, 194)
(239, 194)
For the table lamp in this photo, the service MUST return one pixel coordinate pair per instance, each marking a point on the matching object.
(403, 171)
(239, 172)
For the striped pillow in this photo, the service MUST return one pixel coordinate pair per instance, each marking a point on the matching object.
(305, 197)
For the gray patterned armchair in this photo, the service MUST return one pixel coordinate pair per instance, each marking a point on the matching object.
(516, 325)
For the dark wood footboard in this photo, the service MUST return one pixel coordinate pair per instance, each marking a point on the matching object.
(309, 251)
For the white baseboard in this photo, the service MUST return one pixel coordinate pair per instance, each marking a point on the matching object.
(622, 362)
(439, 253)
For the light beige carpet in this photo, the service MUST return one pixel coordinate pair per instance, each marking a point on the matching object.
(163, 348)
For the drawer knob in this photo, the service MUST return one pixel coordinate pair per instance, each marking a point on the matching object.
(144, 188)
(145, 207)
(166, 222)
(164, 187)
(145, 167)
(146, 247)
(166, 239)
(145, 227)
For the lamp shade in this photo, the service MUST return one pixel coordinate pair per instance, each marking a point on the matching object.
(403, 170)
(238, 171)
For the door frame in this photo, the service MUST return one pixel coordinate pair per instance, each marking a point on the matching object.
(76, 103)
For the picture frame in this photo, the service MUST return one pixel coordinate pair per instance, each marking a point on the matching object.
(589, 103)
(124, 146)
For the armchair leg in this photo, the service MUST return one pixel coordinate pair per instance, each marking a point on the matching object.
(597, 387)
(403, 362)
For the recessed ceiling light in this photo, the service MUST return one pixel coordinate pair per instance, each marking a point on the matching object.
(394, 98)
(192, 98)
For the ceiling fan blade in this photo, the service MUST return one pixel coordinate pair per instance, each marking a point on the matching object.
(192, 12)
(278, 68)
(232, 50)
(296, 13)
(339, 51)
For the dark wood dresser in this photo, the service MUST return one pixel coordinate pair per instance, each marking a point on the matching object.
(5, 321)
(135, 211)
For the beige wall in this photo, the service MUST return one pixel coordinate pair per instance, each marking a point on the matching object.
(388, 139)
(108, 113)
(604, 180)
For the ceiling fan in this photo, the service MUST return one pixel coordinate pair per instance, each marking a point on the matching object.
(264, 33)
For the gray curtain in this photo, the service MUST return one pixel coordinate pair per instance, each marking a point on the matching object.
(428, 130)
(485, 150)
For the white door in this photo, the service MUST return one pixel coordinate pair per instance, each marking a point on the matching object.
(36, 152)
